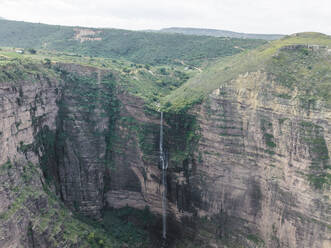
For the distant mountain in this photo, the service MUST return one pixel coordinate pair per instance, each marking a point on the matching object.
(220, 33)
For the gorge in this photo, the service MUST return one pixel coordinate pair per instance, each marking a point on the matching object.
(237, 155)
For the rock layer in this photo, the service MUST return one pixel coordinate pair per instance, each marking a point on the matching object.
(252, 165)
(264, 161)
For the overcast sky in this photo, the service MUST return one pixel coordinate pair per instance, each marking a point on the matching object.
(250, 16)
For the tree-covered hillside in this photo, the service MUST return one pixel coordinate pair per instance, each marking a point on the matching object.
(220, 33)
(138, 47)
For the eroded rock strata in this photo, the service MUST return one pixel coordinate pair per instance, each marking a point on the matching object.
(247, 168)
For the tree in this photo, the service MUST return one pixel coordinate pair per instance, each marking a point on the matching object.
(32, 51)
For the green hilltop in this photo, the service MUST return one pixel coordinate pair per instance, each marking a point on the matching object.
(301, 60)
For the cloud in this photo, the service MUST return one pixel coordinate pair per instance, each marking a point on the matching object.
(258, 16)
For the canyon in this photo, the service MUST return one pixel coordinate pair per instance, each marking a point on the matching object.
(248, 166)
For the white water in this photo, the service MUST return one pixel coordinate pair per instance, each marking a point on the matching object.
(164, 164)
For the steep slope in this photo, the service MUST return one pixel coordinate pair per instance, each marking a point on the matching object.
(250, 165)
(31, 214)
(247, 140)
(219, 33)
(138, 47)
(56, 130)
(294, 64)
(264, 167)
(263, 173)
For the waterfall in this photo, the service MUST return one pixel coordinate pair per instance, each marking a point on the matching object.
(164, 165)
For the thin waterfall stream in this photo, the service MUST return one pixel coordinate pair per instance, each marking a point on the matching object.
(164, 165)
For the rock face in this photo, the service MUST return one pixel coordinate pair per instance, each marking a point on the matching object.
(48, 137)
(259, 173)
(24, 105)
(81, 144)
(246, 168)
(265, 162)
(25, 108)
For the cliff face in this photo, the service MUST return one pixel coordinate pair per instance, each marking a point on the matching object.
(53, 146)
(81, 144)
(265, 164)
(25, 108)
(256, 174)
(246, 167)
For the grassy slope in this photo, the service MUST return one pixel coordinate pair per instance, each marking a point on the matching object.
(139, 47)
(263, 58)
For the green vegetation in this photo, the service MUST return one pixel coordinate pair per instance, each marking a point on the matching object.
(320, 180)
(312, 135)
(155, 83)
(181, 139)
(129, 225)
(256, 239)
(96, 98)
(219, 33)
(24, 148)
(161, 69)
(268, 137)
(305, 70)
(139, 47)
(124, 227)
(44, 146)
(53, 216)
(13, 69)
(308, 68)
(269, 140)
(145, 134)
(147, 82)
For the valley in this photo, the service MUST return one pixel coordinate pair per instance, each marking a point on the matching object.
(246, 139)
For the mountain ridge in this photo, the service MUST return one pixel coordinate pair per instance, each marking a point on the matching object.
(219, 33)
